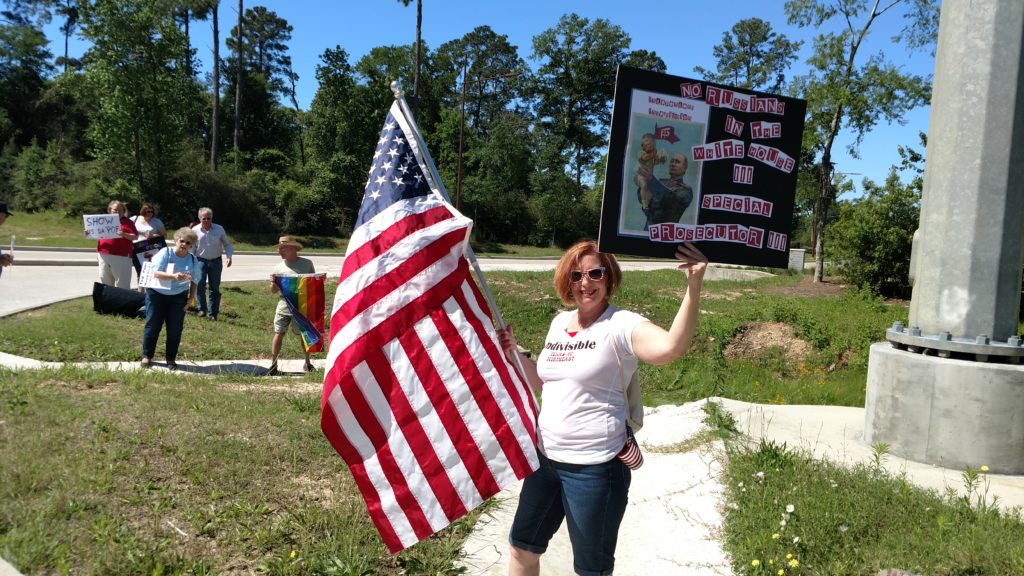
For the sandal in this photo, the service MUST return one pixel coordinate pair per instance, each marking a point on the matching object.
(272, 371)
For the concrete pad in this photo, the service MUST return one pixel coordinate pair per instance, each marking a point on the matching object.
(946, 411)
(7, 570)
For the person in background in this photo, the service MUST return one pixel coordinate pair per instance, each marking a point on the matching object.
(5, 259)
(115, 254)
(589, 355)
(291, 263)
(147, 224)
(150, 228)
(212, 249)
(167, 306)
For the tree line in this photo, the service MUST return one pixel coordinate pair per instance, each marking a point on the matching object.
(134, 119)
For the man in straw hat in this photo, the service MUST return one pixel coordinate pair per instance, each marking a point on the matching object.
(291, 263)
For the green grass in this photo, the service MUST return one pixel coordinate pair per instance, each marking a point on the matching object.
(151, 473)
(840, 330)
(243, 331)
(790, 514)
(50, 229)
(103, 469)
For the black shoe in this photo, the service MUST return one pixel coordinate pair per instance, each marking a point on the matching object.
(272, 371)
(212, 317)
(172, 366)
(309, 366)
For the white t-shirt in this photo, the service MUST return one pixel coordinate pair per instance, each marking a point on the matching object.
(145, 228)
(583, 411)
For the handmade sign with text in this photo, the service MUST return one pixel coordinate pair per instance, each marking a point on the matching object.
(99, 226)
(695, 161)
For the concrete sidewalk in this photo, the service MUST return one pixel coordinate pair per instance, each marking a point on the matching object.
(285, 367)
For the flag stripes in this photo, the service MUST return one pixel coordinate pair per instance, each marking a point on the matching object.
(387, 239)
(418, 398)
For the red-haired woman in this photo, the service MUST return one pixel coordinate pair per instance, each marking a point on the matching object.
(589, 355)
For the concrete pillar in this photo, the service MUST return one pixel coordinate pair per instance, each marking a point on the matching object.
(949, 390)
(968, 260)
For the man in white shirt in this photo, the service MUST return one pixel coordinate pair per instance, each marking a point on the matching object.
(211, 249)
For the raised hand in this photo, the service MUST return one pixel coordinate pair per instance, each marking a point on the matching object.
(694, 262)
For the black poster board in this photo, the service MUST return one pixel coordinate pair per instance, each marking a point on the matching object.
(690, 160)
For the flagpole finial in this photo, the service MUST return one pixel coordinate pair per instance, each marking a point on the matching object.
(396, 87)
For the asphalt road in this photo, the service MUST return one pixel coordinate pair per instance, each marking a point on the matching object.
(43, 276)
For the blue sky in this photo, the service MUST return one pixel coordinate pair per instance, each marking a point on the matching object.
(682, 35)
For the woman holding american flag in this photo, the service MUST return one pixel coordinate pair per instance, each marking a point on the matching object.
(589, 355)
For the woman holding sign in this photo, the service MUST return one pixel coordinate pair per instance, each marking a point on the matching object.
(115, 254)
(168, 295)
(151, 237)
(589, 356)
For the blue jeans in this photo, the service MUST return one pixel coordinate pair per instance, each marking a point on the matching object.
(208, 272)
(592, 498)
(162, 309)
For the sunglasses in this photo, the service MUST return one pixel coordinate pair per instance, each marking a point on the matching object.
(594, 274)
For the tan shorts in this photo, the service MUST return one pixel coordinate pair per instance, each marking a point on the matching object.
(282, 318)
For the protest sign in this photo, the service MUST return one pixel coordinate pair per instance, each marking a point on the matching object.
(146, 248)
(695, 161)
(99, 226)
(148, 280)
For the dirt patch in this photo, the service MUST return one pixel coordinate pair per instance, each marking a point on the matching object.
(759, 337)
(299, 387)
(807, 287)
(727, 296)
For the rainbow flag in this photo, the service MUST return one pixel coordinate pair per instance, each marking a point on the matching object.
(304, 294)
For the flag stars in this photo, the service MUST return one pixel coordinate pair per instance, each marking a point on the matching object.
(408, 158)
(403, 168)
(375, 194)
(393, 152)
(397, 180)
(387, 166)
(381, 180)
(398, 140)
(418, 178)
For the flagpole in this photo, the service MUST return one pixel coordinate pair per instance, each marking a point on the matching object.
(396, 87)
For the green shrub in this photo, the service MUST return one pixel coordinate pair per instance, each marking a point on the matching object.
(870, 243)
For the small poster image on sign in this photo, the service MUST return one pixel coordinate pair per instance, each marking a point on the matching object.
(146, 248)
(695, 161)
(99, 226)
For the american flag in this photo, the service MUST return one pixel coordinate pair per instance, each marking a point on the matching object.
(418, 398)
